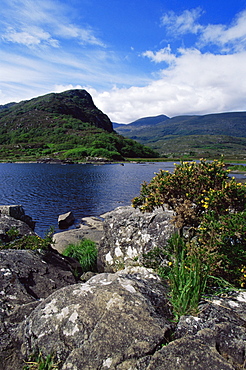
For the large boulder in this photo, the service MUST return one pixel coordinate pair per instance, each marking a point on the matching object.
(213, 339)
(108, 322)
(9, 224)
(17, 212)
(26, 278)
(129, 233)
(65, 220)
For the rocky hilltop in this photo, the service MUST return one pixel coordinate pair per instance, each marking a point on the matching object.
(115, 320)
(64, 126)
(32, 113)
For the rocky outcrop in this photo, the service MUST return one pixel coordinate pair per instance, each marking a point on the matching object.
(17, 212)
(128, 234)
(9, 225)
(108, 322)
(26, 277)
(122, 321)
(113, 321)
(91, 228)
(214, 339)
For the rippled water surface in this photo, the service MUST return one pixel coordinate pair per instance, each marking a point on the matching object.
(48, 190)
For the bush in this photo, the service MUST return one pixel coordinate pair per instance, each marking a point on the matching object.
(76, 153)
(84, 252)
(224, 237)
(212, 206)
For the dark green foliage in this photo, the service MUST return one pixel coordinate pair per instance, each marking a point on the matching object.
(212, 207)
(85, 253)
(227, 234)
(65, 125)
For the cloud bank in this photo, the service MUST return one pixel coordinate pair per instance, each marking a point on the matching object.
(196, 68)
(204, 78)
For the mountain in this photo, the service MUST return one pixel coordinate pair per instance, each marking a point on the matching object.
(210, 135)
(66, 125)
(140, 123)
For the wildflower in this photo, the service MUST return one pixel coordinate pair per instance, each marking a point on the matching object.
(170, 263)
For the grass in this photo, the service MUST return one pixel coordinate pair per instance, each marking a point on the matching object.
(84, 252)
(38, 361)
(237, 168)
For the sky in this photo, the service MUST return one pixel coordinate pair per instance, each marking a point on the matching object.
(137, 58)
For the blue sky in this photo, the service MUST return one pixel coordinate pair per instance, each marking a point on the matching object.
(136, 58)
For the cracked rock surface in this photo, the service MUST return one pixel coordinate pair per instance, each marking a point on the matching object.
(129, 233)
(101, 324)
(26, 277)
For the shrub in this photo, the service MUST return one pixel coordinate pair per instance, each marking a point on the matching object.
(183, 191)
(225, 237)
(84, 252)
(212, 206)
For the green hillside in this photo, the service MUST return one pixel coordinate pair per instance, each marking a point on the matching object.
(210, 135)
(65, 126)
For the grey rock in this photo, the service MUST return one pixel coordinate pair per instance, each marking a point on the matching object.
(129, 233)
(17, 212)
(214, 339)
(101, 324)
(26, 277)
(9, 223)
(66, 220)
(91, 228)
(189, 353)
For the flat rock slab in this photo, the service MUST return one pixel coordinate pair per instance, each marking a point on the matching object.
(91, 229)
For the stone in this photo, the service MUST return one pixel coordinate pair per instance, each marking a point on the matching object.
(66, 220)
(8, 224)
(91, 228)
(26, 278)
(129, 233)
(188, 353)
(17, 212)
(101, 324)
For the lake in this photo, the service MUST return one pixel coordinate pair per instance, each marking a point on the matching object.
(47, 190)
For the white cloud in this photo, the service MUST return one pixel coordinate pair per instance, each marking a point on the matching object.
(31, 36)
(233, 37)
(197, 84)
(162, 55)
(183, 23)
(42, 22)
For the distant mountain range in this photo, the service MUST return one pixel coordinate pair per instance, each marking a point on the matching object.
(205, 135)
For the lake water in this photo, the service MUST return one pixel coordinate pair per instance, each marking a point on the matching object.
(48, 190)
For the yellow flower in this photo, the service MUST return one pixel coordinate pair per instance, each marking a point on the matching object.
(170, 263)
